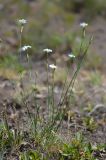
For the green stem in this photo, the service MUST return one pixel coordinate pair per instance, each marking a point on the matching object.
(53, 94)
(82, 40)
(84, 55)
(64, 85)
(29, 64)
(20, 44)
(47, 70)
(75, 74)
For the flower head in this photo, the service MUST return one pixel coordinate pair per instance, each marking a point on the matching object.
(24, 48)
(47, 50)
(71, 55)
(52, 66)
(83, 24)
(22, 21)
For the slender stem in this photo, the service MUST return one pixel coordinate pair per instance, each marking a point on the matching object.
(68, 122)
(71, 84)
(64, 85)
(83, 36)
(29, 64)
(84, 55)
(82, 40)
(47, 70)
(20, 44)
(53, 94)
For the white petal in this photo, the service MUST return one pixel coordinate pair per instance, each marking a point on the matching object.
(47, 50)
(22, 21)
(24, 48)
(83, 25)
(52, 66)
(71, 56)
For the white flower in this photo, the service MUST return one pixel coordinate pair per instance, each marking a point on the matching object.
(83, 24)
(24, 48)
(52, 66)
(47, 50)
(22, 21)
(71, 56)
